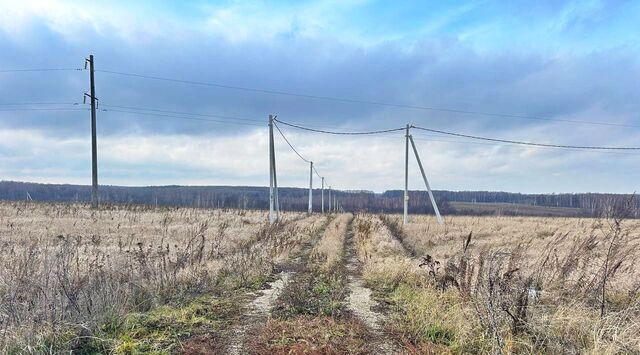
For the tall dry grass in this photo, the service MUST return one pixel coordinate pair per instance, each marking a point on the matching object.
(537, 284)
(67, 270)
(330, 248)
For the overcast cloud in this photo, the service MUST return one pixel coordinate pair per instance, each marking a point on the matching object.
(576, 61)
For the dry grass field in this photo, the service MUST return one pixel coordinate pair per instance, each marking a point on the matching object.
(517, 284)
(133, 280)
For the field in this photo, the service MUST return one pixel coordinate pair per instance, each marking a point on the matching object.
(513, 209)
(133, 279)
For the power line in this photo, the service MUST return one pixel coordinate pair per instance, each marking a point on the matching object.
(295, 150)
(340, 133)
(499, 144)
(463, 136)
(181, 113)
(44, 109)
(316, 171)
(39, 70)
(37, 103)
(524, 143)
(291, 146)
(360, 101)
(181, 117)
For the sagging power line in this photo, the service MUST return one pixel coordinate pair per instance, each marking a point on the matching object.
(312, 169)
(361, 101)
(523, 143)
(375, 132)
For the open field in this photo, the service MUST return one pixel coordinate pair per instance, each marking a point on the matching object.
(132, 280)
(513, 209)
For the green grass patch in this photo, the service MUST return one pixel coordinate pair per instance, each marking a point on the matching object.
(159, 331)
(313, 293)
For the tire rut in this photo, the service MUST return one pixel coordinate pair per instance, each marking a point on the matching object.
(360, 302)
(263, 301)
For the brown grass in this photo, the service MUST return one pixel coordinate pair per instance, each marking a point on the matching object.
(311, 335)
(521, 284)
(131, 279)
(66, 270)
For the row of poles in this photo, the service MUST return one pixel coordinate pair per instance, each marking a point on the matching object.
(274, 205)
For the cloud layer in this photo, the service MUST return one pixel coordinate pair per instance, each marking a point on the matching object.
(571, 61)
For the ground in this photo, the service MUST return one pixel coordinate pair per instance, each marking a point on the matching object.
(134, 279)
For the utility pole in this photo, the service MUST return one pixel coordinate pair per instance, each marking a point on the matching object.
(335, 204)
(94, 143)
(424, 177)
(322, 194)
(329, 199)
(311, 189)
(274, 208)
(405, 220)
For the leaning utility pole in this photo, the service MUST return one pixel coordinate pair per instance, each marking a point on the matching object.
(274, 207)
(424, 177)
(405, 220)
(94, 143)
(311, 189)
(322, 194)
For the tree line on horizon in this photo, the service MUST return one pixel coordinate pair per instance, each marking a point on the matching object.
(296, 199)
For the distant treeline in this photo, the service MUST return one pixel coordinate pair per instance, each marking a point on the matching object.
(296, 199)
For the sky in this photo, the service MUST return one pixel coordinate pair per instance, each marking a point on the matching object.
(555, 72)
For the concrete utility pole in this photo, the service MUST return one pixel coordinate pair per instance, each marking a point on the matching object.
(274, 207)
(424, 177)
(329, 199)
(405, 220)
(322, 194)
(311, 189)
(94, 143)
(335, 204)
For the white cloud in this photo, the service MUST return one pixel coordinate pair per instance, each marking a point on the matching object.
(374, 163)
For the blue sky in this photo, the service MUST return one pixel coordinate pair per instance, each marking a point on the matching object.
(574, 60)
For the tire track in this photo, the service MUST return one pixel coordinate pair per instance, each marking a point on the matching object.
(263, 301)
(360, 302)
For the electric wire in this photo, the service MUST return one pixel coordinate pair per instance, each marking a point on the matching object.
(341, 133)
(44, 109)
(296, 151)
(439, 139)
(331, 98)
(181, 113)
(39, 70)
(460, 135)
(37, 103)
(523, 143)
(360, 101)
(181, 117)
(291, 146)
